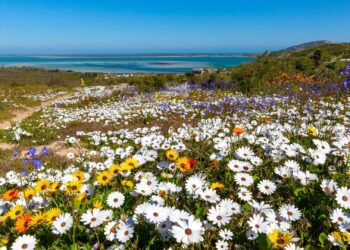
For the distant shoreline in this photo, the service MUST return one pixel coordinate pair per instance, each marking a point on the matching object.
(138, 55)
(140, 63)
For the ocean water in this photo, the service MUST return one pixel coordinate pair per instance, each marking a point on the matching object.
(126, 63)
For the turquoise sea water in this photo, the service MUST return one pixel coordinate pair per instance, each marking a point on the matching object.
(126, 63)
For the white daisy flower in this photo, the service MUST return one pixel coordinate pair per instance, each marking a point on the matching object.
(92, 218)
(257, 223)
(115, 199)
(343, 197)
(125, 231)
(188, 231)
(244, 153)
(26, 242)
(221, 245)
(289, 212)
(62, 223)
(243, 179)
(219, 216)
(225, 234)
(267, 187)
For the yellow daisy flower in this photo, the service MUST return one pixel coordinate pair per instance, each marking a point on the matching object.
(312, 131)
(42, 185)
(126, 183)
(73, 187)
(79, 175)
(37, 219)
(278, 239)
(55, 186)
(98, 204)
(131, 162)
(52, 214)
(114, 169)
(104, 177)
(172, 154)
(80, 197)
(217, 185)
(15, 212)
(183, 164)
(29, 193)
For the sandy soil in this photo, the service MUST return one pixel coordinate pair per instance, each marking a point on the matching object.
(56, 147)
(23, 114)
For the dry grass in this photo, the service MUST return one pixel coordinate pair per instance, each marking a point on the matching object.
(8, 162)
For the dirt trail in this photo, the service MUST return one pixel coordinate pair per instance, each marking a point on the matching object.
(23, 114)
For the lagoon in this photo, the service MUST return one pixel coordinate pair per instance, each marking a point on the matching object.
(175, 63)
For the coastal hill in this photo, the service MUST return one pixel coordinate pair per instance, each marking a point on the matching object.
(299, 47)
(330, 51)
(304, 46)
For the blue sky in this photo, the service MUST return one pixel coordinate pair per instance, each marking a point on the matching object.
(134, 26)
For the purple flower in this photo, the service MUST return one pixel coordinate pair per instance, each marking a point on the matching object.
(25, 160)
(45, 151)
(31, 151)
(37, 163)
(24, 172)
(15, 153)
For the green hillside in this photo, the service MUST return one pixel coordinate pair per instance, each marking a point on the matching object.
(318, 65)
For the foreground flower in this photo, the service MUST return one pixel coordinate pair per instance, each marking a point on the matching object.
(219, 216)
(217, 185)
(10, 195)
(343, 197)
(257, 223)
(238, 131)
(125, 232)
(289, 212)
(221, 245)
(172, 155)
(37, 219)
(104, 177)
(183, 164)
(115, 199)
(62, 224)
(42, 185)
(188, 231)
(131, 163)
(52, 214)
(92, 218)
(267, 187)
(22, 223)
(312, 131)
(26, 242)
(15, 212)
(278, 239)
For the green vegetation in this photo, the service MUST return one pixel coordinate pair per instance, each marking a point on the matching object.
(16, 76)
(318, 65)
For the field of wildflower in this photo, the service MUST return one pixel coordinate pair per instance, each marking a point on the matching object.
(181, 168)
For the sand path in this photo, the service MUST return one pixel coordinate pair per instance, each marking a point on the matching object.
(23, 114)
(20, 115)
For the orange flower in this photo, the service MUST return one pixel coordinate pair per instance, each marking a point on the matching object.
(214, 163)
(22, 223)
(238, 131)
(10, 195)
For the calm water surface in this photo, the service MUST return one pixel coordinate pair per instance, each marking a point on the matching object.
(125, 64)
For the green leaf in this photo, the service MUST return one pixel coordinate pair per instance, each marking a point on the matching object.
(322, 238)
(309, 247)
(299, 191)
(264, 243)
